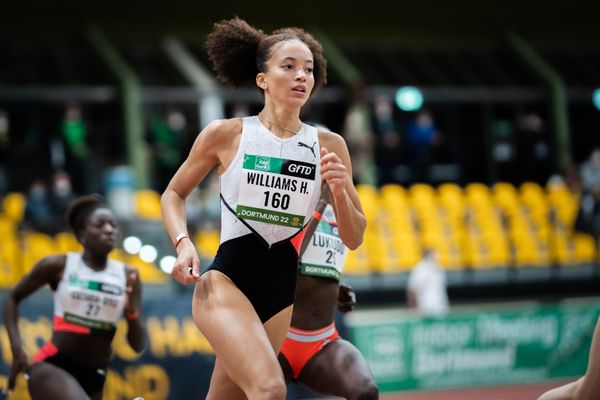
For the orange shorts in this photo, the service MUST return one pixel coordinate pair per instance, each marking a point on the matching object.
(300, 346)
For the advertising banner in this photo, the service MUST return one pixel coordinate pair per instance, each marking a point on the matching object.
(484, 346)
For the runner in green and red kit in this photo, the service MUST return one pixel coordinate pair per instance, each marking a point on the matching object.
(91, 295)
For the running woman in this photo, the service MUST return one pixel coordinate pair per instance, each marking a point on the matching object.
(92, 293)
(271, 166)
(313, 354)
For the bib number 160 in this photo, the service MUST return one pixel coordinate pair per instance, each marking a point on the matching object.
(277, 200)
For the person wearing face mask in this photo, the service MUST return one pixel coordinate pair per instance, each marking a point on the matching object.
(38, 208)
(61, 197)
(270, 168)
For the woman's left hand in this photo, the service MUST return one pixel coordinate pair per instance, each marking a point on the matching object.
(333, 171)
(346, 298)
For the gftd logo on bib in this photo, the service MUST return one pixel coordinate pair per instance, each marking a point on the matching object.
(262, 163)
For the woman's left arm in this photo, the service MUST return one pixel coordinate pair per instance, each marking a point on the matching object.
(336, 170)
(136, 337)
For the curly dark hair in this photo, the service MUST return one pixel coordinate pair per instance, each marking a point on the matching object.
(239, 51)
(81, 208)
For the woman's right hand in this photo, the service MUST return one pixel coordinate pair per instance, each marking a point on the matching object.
(20, 364)
(187, 266)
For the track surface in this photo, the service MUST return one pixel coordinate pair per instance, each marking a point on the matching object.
(513, 392)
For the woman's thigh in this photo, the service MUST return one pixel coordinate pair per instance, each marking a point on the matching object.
(341, 370)
(246, 350)
(590, 384)
(48, 382)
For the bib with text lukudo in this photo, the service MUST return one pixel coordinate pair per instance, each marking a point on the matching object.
(326, 253)
(275, 190)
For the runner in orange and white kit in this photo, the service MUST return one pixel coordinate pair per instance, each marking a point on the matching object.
(91, 295)
(313, 354)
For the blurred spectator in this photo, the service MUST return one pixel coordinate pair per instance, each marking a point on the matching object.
(166, 137)
(4, 152)
(423, 134)
(504, 158)
(388, 140)
(38, 208)
(590, 172)
(359, 137)
(588, 217)
(61, 197)
(74, 135)
(426, 287)
(533, 149)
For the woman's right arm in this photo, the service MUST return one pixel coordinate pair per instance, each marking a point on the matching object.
(208, 151)
(314, 221)
(47, 271)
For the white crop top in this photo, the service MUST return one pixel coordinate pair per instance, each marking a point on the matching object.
(89, 298)
(272, 185)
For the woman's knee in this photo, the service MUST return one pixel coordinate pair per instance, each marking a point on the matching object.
(367, 391)
(271, 389)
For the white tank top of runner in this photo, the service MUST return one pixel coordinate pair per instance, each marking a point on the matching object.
(272, 185)
(94, 299)
(326, 253)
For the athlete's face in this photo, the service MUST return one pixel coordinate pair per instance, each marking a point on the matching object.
(101, 231)
(289, 77)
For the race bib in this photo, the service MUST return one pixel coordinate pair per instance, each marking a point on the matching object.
(325, 254)
(93, 304)
(275, 190)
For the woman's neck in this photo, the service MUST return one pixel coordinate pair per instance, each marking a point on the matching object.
(95, 261)
(284, 122)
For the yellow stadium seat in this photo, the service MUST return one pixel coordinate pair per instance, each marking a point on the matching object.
(357, 262)
(207, 242)
(392, 190)
(369, 199)
(422, 189)
(10, 270)
(451, 261)
(506, 195)
(147, 204)
(66, 242)
(535, 198)
(532, 188)
(504, 188)
(393, 198)
(14, 206)
(476, 189)
(36, 246)
(585, 248)
(422, 196)
(8, 228)
(450, 190)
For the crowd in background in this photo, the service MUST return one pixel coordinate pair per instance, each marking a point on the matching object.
(386, 146)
